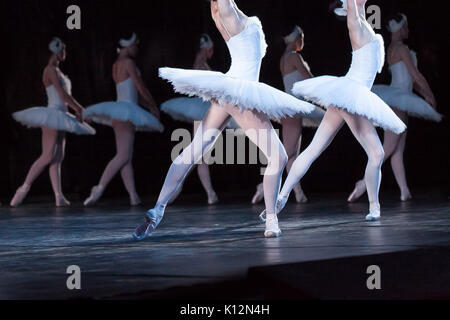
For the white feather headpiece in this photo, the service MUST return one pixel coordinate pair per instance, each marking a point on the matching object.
(342, 11)
(206, 42)
(125, 43)
(56, 45)
(394, 26)
(293, 35)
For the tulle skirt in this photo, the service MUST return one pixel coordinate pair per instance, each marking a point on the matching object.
(54, 118)
(407, 101)
(186, 109)
(313, 119)
(350, 95)
(244, 94)
(105, 112)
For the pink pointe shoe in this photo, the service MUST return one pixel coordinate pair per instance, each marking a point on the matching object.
(259, 195)
(61, 201)
(96, 193)
(360, 189)
(20, 195)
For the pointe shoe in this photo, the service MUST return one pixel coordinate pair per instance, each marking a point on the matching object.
(375, 214)
(360, 188)
(300, 196)
(406, 197)
(96, 193)
(20, 195)
(135, 201)
(272, 229)
(281, 203)
(61, 201)
(212, 198)
(152, 220)
(259, 195)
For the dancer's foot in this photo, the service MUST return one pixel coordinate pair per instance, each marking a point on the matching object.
(96, 193)
(259, 195)
(300, 196)
(61, 201)
(135, 200)
(281, 203)
(152, 220)
(360, 189)
(375, 213)
(20, 195)
(212, 198)
(406, 196)
(272, 229)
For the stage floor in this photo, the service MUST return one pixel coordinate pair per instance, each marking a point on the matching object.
(195, 243)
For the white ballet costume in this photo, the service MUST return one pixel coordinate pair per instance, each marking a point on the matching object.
(124, 109)
(55, 115)
(353, 91)
(400, 94)
(239, 87)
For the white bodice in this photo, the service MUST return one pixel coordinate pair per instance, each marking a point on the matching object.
(367, 61)
(290, 79)
(401, 78)
(247, 49)
(126, 91)
(53, 98)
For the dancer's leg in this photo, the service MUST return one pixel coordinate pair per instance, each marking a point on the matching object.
(55, 170)
(329, 127)
(205, 178)
(366, 134)
(49, 142)
(124, 135)
(292, 140)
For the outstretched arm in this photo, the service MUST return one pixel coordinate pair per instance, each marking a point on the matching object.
(421, 84)
(150, 103)
(67, 98)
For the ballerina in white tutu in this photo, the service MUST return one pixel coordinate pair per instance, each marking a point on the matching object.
(194, 109)
(349, 100)
(125, 117)
(293, 69)
(236, 94)
(54, 120)
(399, 95)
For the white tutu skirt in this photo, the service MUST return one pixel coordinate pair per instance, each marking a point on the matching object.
(53, 118)
(244, 94)
(105, 112)
(186, 109)
(350, 95)
(406, 101)
(313, 119)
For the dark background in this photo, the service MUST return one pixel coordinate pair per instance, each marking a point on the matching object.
(169, 32)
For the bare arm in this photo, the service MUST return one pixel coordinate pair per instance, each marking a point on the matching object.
(420, 83)
(150, 103)
(67, 98)
(353, 20)
(300, 65)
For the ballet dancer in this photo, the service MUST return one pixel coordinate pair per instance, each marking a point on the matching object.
(293, 69)
(194, 109)
(237, 94)
(349, 100)
(54, 120)
(399, 95)
(125, 117)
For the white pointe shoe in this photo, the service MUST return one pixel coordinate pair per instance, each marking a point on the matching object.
(281, 203)
(272, 229)
(360, 189)
(212, 198)
(259, 195)
(152, 220)
(96, 193)
(300, 196)
(61, 201)
(375, 214)
(20, 195)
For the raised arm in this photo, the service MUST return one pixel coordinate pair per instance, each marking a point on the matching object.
(150, 103)
(66, 97)
(421, 84)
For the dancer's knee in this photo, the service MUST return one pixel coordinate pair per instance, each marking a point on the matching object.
(376, 157)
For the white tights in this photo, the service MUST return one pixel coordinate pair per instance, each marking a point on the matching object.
(256, 126)
(364, 132)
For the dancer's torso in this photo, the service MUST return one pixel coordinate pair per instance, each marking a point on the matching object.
(291, 78)
(53, 97)
(367, 61)
(126, 91)
(401, 78)
(247, 50)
